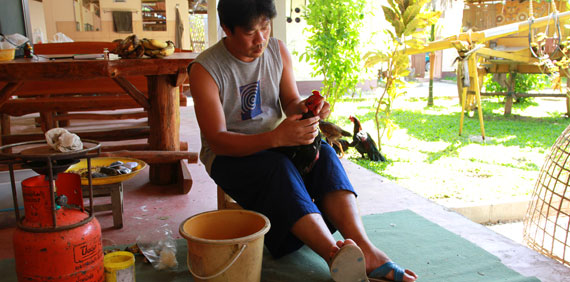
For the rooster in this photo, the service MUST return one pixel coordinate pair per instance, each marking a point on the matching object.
(305, 156)
(343, 146)
(364, 143)
(333, 133)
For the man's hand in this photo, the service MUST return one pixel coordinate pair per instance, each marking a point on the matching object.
(295, 131)
(323, 109)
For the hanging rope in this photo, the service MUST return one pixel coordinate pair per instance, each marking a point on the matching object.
(546, 59)
(556, 19)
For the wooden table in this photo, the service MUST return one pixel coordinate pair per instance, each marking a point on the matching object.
(163, 76)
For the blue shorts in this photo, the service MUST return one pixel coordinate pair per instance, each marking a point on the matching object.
(267, 182)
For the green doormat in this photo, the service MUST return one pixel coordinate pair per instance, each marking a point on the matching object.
(412, 241)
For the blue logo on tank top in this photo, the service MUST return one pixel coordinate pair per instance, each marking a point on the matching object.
(250, 100)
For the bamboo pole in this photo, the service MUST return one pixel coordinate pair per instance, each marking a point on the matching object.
(486, 35)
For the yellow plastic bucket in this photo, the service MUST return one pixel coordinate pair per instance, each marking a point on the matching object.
(119, 267)
(225, 245)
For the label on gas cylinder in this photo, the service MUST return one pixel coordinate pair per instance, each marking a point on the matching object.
(87, 252)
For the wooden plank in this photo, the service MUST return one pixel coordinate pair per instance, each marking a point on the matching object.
(486, 35)
(155, 157)
(117, 206)
(101, 85)
(185, 178)
(95, 116)
(503, 66)
(513, 41)
(8, 90)
(44, 69)
(180, 76)
(505, 55)
(132, 91)
(136, 147)
(79, 47)
(102, 135)
(19, 107)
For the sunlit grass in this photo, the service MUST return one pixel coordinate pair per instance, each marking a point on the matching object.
(427, 155)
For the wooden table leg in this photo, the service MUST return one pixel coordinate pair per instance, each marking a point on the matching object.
(164, 122)
(117, 205)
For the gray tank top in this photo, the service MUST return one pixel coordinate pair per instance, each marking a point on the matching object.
(249, 91)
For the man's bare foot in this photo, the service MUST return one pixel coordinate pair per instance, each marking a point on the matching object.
(347, 263)
(336, 248)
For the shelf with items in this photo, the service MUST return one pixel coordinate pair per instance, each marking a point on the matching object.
(154, 15)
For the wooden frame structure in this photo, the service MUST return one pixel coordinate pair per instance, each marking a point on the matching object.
(473, 46)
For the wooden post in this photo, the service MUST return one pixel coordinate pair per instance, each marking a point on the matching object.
(510, 93)
(568, 96)
(431, 70)
(462, 93)
(164, 122)
(5, 124)
(459, 75)
(47, 121)
(474, 78)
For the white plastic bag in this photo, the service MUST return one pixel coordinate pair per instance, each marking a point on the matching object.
(12, 41)
(62, 140)
(159, 247)
(38, 36)
(60, 37)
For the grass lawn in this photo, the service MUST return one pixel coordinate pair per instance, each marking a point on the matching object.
(427, 155)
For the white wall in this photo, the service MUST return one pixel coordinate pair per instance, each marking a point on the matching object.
(60, 17)
(38, 21)
(449, 25)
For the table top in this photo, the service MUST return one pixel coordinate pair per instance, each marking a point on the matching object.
(39, 68)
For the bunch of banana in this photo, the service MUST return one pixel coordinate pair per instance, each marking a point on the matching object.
(129, 48)
(157, 48)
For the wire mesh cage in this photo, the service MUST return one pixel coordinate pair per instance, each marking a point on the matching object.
(547, 220)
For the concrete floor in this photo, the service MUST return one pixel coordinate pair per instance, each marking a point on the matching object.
(149, 208)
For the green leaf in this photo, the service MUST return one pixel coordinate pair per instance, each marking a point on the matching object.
(411, 13)
(398, 28)
(390, 15)
(394, 6)
(372, 61)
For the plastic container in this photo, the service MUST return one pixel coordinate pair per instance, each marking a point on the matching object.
(225, 245)
(7, 54)
(119, 267)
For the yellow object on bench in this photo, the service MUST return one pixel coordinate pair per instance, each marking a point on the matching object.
(81, 167)
(111, 186)
(7, 54)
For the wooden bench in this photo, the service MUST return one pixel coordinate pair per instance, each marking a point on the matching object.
(78, 100)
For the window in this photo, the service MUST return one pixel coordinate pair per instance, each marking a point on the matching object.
(154, 15)
(87, 15)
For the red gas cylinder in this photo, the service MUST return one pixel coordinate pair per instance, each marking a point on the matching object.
(69, 249)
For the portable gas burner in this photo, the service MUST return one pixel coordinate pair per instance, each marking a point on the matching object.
(56, 239)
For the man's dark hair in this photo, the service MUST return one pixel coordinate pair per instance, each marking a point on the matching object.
(243, 13)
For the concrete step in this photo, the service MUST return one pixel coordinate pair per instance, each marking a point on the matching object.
(493, 212)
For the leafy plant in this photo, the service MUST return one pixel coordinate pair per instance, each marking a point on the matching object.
(333, 44)
(408, 18)
(523, 83)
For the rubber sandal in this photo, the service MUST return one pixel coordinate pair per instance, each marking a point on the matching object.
(348, 265)
(383, 270)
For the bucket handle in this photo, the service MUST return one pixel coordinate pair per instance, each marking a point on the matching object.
(233, 260)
